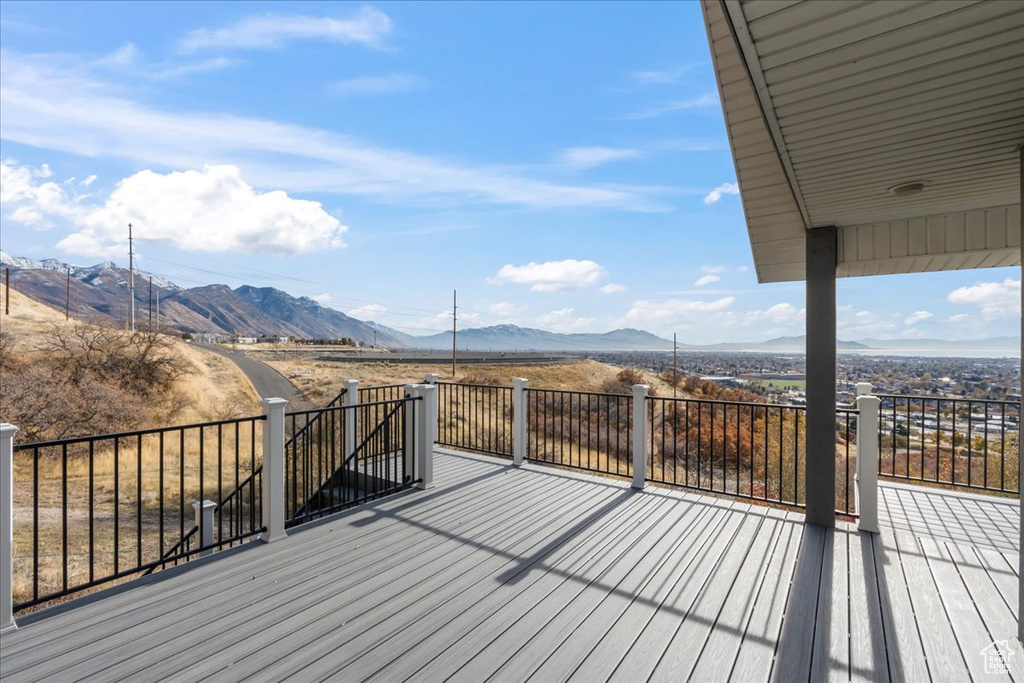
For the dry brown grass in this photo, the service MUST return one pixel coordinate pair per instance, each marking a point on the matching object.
(324, 381)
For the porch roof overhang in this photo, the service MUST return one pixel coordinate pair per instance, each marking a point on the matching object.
(829, 106)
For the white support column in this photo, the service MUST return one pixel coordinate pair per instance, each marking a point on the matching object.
(519, 432)
(7, 432)
(204, 520)
(431, 378)
(427, 427)
(639, 435)
(410, 438)
(867, 460)
(351, 423)
(273, 469)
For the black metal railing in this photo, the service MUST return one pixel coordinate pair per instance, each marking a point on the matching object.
(386, 392)
(93, 510)
(323, 476)
(475, 417)
(846, 460)
(746, 450)
(966, 443)
(582, 430)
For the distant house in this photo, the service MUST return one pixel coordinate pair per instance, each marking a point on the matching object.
(246, 340)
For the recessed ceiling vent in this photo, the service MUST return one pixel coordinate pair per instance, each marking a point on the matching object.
(907, 189)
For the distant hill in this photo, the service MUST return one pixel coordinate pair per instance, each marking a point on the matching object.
(990, 344)
(778, 345)
(101, 291)
(515, 338)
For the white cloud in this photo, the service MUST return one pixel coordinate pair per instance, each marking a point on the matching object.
(612, 288)
(993, 299)
(31, 204)
(742, 269)
(367, 26)
(659, 77)
(55, 103)
(713, 270)
(551, 276)
(723, 189)
(505, 309)
(88, 181)
(660, 108)
(565, 321)
(368, 312)
(958, 319)
(673, 311)
(706, 280)
(917, 317)
(581, 158)
(324, 298)
(378, 85)
(209, 210)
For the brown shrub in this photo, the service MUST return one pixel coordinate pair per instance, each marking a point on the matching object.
(89, 379)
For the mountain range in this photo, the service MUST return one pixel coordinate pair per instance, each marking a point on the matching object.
(101, 291)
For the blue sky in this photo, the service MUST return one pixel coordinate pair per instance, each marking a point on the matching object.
(563, 165)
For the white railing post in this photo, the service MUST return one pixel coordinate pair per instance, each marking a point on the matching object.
(273, 469)
(410, 439)
(639, 435)
(431, 378)
(204, 520)
(351, 423)
(427, 427)
(867, 461)
(519, 432)
(7, 432)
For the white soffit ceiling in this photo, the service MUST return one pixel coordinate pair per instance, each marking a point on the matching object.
(830, 104)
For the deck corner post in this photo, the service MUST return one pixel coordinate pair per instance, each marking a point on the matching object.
(431, 378)
(863, 388)
(7, 432)
(867, 462)
(427, 428)
(639, 435)
(519, 432)
(204, 510)
(273, 470)
(351, 423)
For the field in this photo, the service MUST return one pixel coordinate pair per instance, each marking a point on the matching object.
(324, 378)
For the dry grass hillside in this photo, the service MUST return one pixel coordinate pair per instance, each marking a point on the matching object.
(210, 388)
(321, 380)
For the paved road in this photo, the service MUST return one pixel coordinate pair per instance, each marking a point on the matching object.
(269, 383)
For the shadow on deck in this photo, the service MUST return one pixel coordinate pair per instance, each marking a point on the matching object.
(510, 573)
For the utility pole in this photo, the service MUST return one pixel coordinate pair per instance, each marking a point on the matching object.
(67, 297)
(455, 308)
(675, 366)
(375, 339)
(131, 277)
(7, 305)
(158, 309)
(150, 303)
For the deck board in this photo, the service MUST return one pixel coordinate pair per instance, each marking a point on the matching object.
(507, 573)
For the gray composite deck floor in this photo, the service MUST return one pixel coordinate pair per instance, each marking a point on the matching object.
(512, 574)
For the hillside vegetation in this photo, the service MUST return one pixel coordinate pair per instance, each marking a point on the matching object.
(64, 378)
